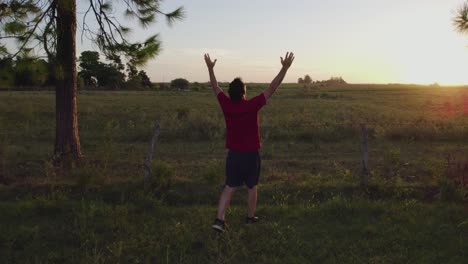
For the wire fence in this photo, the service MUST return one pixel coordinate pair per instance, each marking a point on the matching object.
(363, 141)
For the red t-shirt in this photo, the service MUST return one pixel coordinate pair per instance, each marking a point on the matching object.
(242, 132)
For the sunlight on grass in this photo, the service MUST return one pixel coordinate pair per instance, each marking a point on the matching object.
(312, 206)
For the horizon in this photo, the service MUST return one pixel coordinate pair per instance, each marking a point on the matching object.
(366, 41)
(363, 41)
(347, 83)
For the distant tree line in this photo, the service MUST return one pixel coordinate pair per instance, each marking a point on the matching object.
(94, 73)
(25, 71)
(335, 80)
(307, 80)
(29, 71)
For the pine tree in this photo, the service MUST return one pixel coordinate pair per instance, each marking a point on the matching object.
(460, 21)
(53, 23)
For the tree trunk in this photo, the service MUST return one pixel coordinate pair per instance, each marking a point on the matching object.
(67, 142)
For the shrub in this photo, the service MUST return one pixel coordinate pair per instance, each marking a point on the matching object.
(183, 113)
(449, 192)
(89, 175)
(180, 83)
(162, 174)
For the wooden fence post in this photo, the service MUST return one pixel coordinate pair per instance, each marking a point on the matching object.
(149, 155)
(365, 156)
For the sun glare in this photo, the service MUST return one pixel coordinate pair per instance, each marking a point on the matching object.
(425, 68)
(441, 60)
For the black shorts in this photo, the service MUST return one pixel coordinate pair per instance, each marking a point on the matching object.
(242, 168)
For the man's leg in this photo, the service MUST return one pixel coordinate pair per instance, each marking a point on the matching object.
(224, 201)
(253, 169)
(252, 201)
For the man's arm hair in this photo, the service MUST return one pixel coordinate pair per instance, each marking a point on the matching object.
(275, 83)
(214, 84)
(279, 78)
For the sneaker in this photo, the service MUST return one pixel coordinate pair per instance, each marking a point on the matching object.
(218, 225)
(251, 220)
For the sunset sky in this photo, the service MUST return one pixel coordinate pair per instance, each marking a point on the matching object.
(364, 41)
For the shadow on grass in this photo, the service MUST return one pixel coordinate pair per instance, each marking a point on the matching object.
(193, 193)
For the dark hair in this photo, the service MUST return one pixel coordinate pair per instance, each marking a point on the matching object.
(236, 89)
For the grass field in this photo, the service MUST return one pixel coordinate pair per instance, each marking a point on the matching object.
(413, 210)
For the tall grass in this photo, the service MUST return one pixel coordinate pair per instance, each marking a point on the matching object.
(312, 206)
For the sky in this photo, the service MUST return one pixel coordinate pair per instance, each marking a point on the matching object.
(363, 41)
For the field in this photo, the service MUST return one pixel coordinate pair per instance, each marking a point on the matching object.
(414, 208)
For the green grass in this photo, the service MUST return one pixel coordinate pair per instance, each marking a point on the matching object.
(139, 228)
(315, 211)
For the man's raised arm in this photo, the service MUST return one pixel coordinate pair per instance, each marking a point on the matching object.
(210, 64)
(286, 62)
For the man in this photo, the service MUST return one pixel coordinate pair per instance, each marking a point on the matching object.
(242, 138)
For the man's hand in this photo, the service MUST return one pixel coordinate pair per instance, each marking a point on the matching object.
(287, 61)
(210, 64)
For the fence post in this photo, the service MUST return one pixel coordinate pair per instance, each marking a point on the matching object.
(149, 155)
(365, 156)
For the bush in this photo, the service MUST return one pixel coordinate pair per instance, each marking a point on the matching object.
(162, 174)
(180, 83)
(80, 83)
(183, 113)
(196, 86)
(449, 192)
(89, 175)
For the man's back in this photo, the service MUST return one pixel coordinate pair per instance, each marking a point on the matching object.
(242, 130)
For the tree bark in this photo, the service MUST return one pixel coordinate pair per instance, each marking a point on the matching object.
(67, 141)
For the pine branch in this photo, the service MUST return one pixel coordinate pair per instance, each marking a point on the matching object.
(460, 21)
(31, 32)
